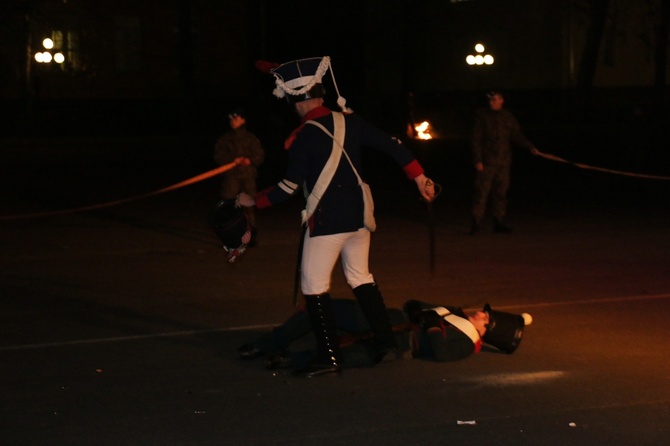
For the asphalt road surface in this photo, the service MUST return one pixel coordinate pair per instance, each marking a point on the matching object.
(119, 326)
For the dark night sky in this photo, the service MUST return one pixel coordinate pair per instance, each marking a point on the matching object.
(327, 29)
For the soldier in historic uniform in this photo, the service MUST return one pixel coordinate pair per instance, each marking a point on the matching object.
(426, 331)
(335, 211)
(449, 333)
(291, 344)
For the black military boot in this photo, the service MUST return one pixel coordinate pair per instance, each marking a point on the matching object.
(475, 226)
(279, 360)
(501, 228)
(328, 356)
(249, 351)
(372, 303)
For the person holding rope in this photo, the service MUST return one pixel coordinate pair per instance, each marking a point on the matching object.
(494, 130)
(238, 142)
(325, 158)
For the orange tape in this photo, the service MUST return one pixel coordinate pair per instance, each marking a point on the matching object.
(195, 179)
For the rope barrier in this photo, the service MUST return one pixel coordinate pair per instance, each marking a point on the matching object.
(229, 166)
(193, 180)
(600, 169)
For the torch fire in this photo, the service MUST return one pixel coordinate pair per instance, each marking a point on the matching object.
(422, 131)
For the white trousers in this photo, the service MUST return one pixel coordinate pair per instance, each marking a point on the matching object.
(320, 253)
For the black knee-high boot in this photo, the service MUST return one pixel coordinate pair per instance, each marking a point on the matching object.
(372, 303)
(328, 357)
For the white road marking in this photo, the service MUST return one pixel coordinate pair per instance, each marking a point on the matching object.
(267, 326)
(512, 379)
(133, 338)
(587, 301)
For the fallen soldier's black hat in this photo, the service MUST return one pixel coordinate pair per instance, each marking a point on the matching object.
(505, 330)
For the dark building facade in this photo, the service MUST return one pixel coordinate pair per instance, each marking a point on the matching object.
(189, 56)
(106, 58)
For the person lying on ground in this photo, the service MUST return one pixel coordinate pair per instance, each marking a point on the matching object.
(423, 330)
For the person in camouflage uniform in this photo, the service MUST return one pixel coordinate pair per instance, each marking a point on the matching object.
(495, 129)
(239, 142)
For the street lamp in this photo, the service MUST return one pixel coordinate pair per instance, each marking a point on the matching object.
(479, 58)
(45, 56)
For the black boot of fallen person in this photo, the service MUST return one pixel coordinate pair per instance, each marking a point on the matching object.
(249, 351)
(279, 360)
(372, 303)
(501, 228)
(279, 339)
(474, 227)
(328, 357)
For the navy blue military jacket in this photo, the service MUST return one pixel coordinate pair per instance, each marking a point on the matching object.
(341, 207)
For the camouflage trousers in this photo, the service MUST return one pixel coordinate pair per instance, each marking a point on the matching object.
(233, 185)
(491, 185)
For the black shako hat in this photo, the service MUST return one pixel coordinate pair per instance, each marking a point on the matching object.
(299, 80)
(504, 331)
(231, 225)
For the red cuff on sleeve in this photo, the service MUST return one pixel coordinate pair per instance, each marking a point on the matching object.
(478, 346)
(413, 169)
(261, 199)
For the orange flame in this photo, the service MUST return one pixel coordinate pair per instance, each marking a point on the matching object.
(423, 131)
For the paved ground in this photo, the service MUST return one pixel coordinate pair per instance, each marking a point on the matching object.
(119, 326)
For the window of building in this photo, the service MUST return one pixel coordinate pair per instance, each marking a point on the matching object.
(127, 39)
